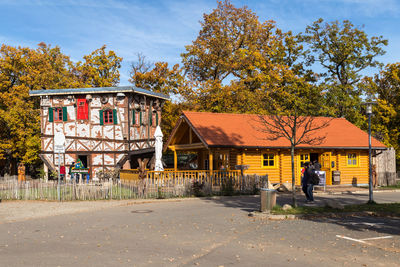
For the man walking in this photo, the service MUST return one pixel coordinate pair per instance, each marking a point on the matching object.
(307, 184)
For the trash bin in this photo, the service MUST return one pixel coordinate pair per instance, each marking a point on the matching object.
(268, 199)
(335, 177)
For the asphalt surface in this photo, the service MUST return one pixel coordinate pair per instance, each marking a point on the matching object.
(202, 232)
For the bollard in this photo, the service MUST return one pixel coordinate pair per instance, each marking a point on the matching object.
(268, 199)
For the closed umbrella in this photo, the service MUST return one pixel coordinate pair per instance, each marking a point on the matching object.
(158, 135)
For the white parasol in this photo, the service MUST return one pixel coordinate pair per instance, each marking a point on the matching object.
(158, 135)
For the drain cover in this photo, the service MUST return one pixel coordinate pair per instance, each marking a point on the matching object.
(141, 211)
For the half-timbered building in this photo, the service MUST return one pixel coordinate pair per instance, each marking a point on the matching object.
(104, 127)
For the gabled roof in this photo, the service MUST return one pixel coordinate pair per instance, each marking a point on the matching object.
(97, 90)
(241, 130)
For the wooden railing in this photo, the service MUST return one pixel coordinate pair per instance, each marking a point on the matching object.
(196, 175)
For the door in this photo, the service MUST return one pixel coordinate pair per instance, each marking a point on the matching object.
(303, 158)
(326, 166)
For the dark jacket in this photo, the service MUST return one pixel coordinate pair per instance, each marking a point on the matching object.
(307, 175)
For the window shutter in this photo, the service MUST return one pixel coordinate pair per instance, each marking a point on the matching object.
(133, 117)
(101, 117)
(115, 119)
(65, 113)
(51, 115)
(141, 117)
(156, 118)
(150, 118)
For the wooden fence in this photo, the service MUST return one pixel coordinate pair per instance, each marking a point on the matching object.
(156, 185)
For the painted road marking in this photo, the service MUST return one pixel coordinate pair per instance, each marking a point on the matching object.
(379, 237)
(352, 239)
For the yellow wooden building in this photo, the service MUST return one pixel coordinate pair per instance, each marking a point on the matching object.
(230, 141)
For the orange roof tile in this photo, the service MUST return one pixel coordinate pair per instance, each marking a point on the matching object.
(240, 130)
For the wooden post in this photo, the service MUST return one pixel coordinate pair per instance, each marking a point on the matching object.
(210, 161)
(175, 161)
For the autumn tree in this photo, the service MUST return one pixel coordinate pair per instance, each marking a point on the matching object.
(158, 77)
(23, 69)
(99, 69)
(385, 87)
(233, 57)
(343, 51)
(290, 114)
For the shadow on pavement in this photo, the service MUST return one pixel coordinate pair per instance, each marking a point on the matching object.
(386, 225)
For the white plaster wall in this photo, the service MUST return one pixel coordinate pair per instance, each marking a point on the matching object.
(118, 132)
(69, 128)
(119, 157)
(49, 126)
(58, 127)
(69, 146)
(68, 160)
(97, 131)
(97, 159)
(71, 112)
(121, 115)
(95, 102)
(79, 146)
(48, 144)
(109, 131)
(108, 146)
(108, 160)
(83, 130)
(45, 102)
(95, 116)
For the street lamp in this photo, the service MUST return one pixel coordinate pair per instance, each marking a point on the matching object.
(368, 111)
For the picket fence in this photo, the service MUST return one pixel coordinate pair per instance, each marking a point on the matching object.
(154, 186)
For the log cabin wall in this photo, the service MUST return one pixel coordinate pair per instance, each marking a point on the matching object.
(106, 145)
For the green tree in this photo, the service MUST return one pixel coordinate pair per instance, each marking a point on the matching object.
(343, 51)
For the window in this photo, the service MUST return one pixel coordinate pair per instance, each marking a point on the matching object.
(83, 109)
(108, 116)
(136, 117)
(303, 159)
(155, 119)
(58, 114)
(352, 160)
(268, 160)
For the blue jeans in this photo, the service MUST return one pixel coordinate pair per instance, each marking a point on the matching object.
(309, 194)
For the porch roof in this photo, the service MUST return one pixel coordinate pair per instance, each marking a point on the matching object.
(243, 130)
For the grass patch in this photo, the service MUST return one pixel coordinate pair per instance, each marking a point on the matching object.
(392, 208)
(396, 186)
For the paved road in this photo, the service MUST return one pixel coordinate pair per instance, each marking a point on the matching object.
(200, 232)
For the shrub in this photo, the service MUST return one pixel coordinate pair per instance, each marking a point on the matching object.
(197, 189)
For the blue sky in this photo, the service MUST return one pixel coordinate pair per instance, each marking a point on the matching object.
(161, 29)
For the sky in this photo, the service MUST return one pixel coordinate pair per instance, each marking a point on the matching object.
(161, 29)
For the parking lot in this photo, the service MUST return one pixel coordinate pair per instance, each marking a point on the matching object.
(197, 232)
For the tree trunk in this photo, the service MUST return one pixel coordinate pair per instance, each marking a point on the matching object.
(293, 177)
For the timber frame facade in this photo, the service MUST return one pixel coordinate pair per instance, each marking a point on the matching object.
(104, 127)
